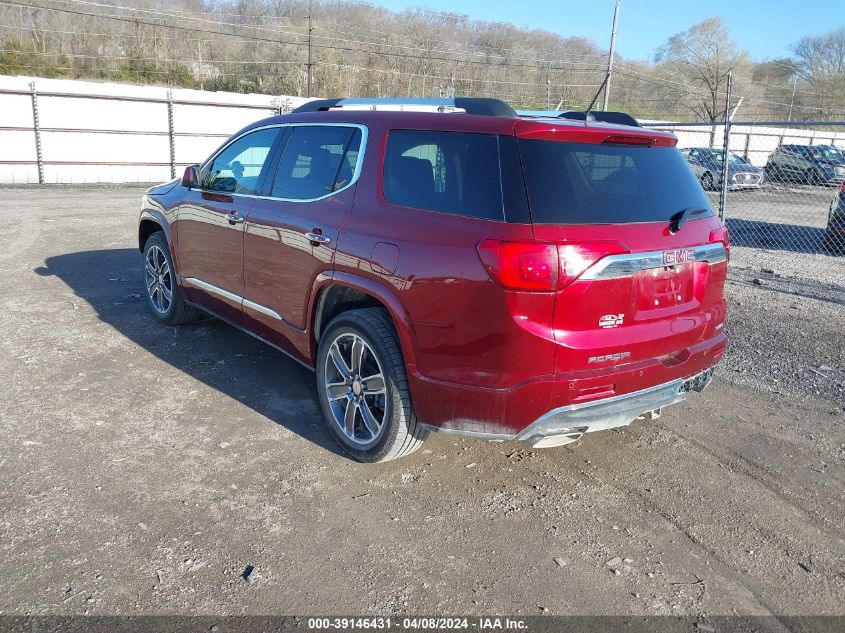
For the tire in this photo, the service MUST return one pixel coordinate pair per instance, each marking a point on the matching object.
(707, 181)
(371, 332)
(159, 280)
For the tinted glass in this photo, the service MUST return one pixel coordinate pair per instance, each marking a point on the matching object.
(316, 161)
(579, 183)
(237, 168)
(450, 172)
(825, 152)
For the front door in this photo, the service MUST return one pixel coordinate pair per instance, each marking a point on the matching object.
(291, 234)
(209, 225)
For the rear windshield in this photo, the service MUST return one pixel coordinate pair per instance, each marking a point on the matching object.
(581, 183)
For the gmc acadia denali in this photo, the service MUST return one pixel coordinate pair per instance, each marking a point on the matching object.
(452, 266)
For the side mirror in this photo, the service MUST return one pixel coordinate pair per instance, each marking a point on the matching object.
(191, 177)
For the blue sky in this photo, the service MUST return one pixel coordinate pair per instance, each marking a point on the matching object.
(765, 28)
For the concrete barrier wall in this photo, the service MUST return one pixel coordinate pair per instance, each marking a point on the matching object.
(754, 142)
(107, 132)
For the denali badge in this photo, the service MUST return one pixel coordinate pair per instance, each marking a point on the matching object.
(682, 256)
(612, 357)
(611, 320)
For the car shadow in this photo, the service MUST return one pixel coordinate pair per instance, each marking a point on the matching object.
(776, 236)
(222, 357)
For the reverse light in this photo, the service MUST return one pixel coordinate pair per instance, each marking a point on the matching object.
(541, 266)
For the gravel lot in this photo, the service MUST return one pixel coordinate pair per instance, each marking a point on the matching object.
(145, 467)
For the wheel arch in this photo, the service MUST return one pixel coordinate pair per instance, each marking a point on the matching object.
(148, 224)
(345, 291)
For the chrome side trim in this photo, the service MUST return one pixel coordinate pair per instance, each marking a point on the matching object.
(359, 164)
(215, 290)
(231, 296)
(257, 307)
(628, 264)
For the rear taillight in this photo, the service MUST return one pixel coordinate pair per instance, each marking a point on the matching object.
(842, 187)
(541, 266)
(576, 258)
(721, 235)
(521, 265)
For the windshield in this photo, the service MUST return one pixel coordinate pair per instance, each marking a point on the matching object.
(717, 156)
(824, 152)
(586, 183)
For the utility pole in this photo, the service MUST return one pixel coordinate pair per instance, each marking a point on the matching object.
(310, 62)
(610, 54)
(726, 146)
(549, 86)
(200, 70)
(792, 100)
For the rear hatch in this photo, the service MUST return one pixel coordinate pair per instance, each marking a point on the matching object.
(642, 258)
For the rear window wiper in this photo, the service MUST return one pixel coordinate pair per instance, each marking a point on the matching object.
(677, 221)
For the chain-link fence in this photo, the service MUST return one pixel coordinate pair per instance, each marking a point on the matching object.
(780, 189)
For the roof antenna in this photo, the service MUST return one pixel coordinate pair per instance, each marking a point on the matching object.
(593, 102)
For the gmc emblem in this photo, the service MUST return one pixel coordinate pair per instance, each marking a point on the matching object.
(682, 256)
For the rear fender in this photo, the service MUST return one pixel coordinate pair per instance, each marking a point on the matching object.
(381, 293)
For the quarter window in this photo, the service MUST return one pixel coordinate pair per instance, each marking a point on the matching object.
(450, 172)
(237, 168)
(316, 161)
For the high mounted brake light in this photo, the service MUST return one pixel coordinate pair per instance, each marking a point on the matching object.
(620, 139)
(541, 266)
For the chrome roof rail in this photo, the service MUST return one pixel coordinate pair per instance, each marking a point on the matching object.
(469, 105)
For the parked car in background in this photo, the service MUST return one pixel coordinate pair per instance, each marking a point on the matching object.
(810, 164)
(706, 164)
(834, 238)
(459, 269)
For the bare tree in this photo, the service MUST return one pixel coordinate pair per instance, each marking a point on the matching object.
(701, 57)
(821, 67)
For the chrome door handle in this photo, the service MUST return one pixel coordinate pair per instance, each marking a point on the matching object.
(235, 218)
(318, 237)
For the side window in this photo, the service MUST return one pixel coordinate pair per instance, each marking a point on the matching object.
(450, 172)
(236, 169)
(316, 161)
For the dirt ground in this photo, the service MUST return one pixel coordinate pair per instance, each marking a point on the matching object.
(144, 467)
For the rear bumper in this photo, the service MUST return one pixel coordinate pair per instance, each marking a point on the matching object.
(548, 405)
(567, 424)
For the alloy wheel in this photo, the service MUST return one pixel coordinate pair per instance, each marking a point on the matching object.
(159, 279)
(355, 389)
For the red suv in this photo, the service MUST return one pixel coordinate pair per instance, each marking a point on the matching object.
(451, 266)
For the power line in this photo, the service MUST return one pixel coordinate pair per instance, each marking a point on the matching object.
(263, 39)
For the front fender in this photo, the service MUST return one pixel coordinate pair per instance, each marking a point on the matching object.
(152, 211)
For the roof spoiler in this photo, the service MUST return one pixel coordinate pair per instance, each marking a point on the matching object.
(619, 118)
(470, 105)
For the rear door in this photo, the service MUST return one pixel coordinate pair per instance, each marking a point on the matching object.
(634, 285)
(292, 230)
